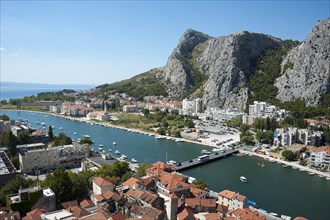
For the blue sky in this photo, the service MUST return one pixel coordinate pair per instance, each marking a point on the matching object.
(96, 42)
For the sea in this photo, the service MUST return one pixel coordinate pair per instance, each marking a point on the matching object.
(274, 188)
(11, 90)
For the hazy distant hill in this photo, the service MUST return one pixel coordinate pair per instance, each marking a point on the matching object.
(228, 71)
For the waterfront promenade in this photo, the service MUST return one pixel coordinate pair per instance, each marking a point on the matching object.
(292, 164)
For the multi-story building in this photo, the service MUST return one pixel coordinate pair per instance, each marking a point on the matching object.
(289, 136)
(129, 108)
(7, 169)
(4, 126)
(232, 200)
(263, 110)
(19, 129)
(191, 107)
(320, 157)
(224, 115)
(52, 158)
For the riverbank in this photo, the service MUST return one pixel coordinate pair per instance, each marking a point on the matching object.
(207, 142)
(287, 163)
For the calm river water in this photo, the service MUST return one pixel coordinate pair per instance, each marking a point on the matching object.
(274, 188)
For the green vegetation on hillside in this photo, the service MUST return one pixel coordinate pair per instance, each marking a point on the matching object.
(261, 84)
(268, 68)
(199, 77)
(139, 86)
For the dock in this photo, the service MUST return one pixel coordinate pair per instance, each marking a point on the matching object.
(211, 157)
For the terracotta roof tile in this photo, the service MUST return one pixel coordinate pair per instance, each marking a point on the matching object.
(86, 203)
(130, 182)
(102, 182)
(77, 211)
(186, 214)
(227, 194)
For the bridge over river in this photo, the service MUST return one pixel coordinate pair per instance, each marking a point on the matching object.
(204, 159)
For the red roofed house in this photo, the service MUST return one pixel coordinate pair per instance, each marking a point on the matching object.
(158, 168)
(146, 184)
(246, 214)
(100, 185)
(232, 200)
(201, 205)
(320, 157)
(172, 183)
(186, 214)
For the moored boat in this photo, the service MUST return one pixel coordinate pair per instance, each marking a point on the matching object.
(114, 143)
(117, 152)
(205, 152)
(243, 179)
(133, 160)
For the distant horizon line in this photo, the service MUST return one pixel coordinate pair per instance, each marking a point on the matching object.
(38, 83)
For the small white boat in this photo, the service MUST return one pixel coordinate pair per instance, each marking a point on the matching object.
(86, 136)
(133, 160)
(101, 145)
(37, 122)
(123, 156)
(205, 152)
(272, 160)
(172, 162)
(216, 149)
(43, 123)
(284, 165)
(301, 169)
(243, 179)
(273, 214)
(114, 143)
(178, 140)
(310, 173)
(75, 133)
(117, 152)
(61, 128)
(328, 178)
(109, 150)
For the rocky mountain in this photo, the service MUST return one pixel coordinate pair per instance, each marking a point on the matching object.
(306, 68)
(218, 69)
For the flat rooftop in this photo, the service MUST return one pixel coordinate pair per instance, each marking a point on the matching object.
(99, 161)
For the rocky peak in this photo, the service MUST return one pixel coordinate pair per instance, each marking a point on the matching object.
(189, 40)
(306, 68)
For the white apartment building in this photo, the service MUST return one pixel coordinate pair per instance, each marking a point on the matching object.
(263, 110)
(232, 200)
(129, 108)
(224, 114)
(101, 185)
(190, 107)
(55, 108)
(52, 158)
(289, 136)
(320, 157)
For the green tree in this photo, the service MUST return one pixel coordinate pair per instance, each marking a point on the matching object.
(86, 140)
(12, 187)
(288, 154)
(190, 124)
(200, 184)
(10, 141)
(80, 182)
(141, 170)
(4, 117)
(161, 131)
(233, 122)
(265, 137)
(50, 133)
(24, 138)
(62, 139)
(60, 183)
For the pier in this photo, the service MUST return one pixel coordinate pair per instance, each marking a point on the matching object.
(197, 162)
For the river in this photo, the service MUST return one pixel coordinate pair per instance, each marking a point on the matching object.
(274, 188)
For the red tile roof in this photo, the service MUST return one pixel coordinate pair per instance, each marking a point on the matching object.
(86, 203)
(320, 149)
(130, 182)
(102, 182)
(77, 211)
(186, 214)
